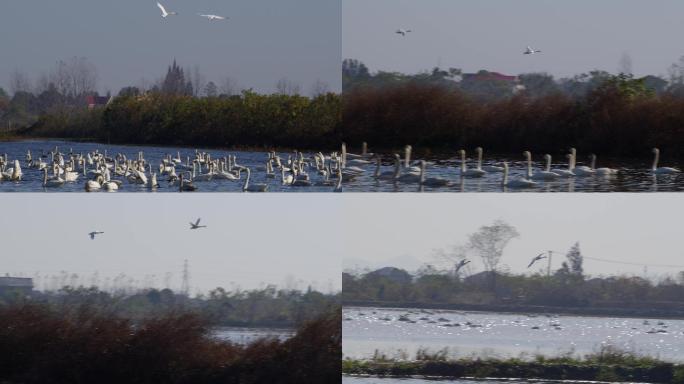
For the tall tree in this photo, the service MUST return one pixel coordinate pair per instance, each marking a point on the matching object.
(489, 242)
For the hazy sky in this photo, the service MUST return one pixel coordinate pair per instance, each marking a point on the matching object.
(575, 36)
(251, 240)
(127, 40)
(404, 229)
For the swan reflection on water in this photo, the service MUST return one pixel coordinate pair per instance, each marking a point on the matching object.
(31, 166)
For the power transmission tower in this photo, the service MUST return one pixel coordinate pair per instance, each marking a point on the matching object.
(185, 285)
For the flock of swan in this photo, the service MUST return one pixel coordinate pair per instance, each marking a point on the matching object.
(100, 172)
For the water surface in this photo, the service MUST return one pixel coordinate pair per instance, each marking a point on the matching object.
(400, 333)
(634, 176)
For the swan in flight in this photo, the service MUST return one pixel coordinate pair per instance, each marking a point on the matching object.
(530, 51)
(212, 17)
(402, 31)
(164, 13)
(196, 224)
(460, 265)
(94, 233)
(536, 258)
(661, 170)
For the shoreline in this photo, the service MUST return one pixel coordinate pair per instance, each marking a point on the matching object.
(435, 153)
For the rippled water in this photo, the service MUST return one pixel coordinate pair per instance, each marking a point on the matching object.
(484, 334)
(241, 335)
(633, 176)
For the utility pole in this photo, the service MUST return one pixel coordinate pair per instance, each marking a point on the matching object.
(548, 265)
(185, 286)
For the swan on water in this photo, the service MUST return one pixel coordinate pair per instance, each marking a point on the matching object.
(185, 185)
(431, 181)
(338, 186)
(565, 172)
(655, 169)
(515, 183)
(469, 172)
(196, 224)
(253, 187)
(581, 170)
(164, 12)
(51, 183)
(604, 171)
(544, 174)
(486, 168)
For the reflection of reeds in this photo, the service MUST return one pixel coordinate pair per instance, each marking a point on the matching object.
(42, 345)
(439, 118)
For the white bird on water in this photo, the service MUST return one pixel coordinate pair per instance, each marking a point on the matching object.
(212, 17)
(530, 51)
(94, 233)
(196, 224)
(402, 32)
(164, 12)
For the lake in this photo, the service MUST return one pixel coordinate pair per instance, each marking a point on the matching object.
(400, 333)
(243, 335)
(634, 176)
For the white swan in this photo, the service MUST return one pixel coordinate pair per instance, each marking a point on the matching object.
(51, 183)
(565, 172)
(338, 186)
(253, 187)
(387, 175)
(431, 181)
(515, 183)
(582, 170)
(94, 185)
(212, 17)
(603, 171)
(486, 168)
(655, 169)
(472, 172)
(530, 51)
(544, 174)
(164, 13)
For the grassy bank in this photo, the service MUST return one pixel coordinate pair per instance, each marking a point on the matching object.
(41, 345)
(608, 364)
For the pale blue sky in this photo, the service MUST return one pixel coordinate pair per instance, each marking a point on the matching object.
(403, 229)
(575, 36)
(251, 240)
(127, 40)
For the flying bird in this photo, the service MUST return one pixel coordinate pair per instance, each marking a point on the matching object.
(402, 32)
(530, 51)
(461, 264)
(196, 225)
(537, 258)
(164, 13)
(212, 17)
(93, 234)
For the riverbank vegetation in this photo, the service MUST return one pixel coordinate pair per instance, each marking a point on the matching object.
(267, 307)
(607, 364)
(40, 344)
